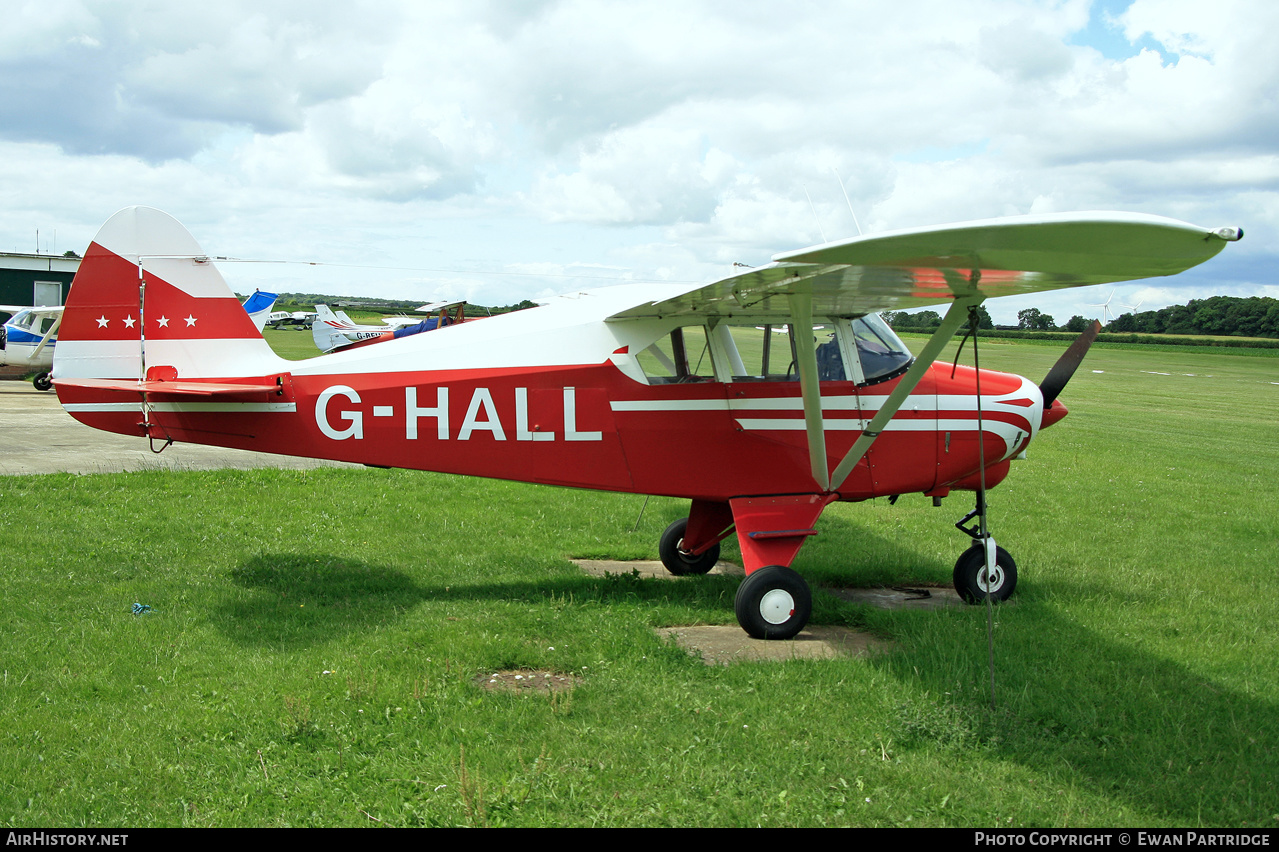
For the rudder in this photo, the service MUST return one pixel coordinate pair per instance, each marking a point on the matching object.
(147, 296)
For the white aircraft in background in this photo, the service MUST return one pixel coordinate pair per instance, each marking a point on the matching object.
(28, 338)
(279, 319)
(333, 330)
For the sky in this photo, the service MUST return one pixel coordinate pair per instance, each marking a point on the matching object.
(500, 151)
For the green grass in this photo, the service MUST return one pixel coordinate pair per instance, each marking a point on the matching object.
(292, 342)
(1135, 674)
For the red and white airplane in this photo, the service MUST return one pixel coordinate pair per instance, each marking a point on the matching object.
(677, 390)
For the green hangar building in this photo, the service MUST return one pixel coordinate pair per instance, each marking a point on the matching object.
(37, 280)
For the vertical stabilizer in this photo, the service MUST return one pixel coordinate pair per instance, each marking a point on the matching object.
(146, 296)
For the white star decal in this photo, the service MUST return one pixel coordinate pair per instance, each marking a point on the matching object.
(102, 322)
(129, 321)
(163, 322)
(190, 321)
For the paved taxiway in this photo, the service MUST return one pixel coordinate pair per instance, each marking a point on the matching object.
(37, 436)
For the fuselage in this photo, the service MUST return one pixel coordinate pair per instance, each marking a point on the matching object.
(559, 395)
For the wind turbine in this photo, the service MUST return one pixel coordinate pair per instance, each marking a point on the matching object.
(1106, 316)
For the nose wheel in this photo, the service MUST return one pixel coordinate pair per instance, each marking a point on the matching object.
(773, 603)
(974, 581)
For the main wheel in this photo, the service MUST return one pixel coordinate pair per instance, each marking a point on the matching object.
(773, 603)
(679, 561)
(970, 575)
(42, 382)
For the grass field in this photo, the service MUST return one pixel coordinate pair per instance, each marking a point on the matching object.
(318, 639)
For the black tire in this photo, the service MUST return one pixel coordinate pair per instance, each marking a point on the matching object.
(43, 382)
(681, 562)
(773, 603)
(970, 573)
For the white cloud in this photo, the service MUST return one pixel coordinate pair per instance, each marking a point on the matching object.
(666, 139)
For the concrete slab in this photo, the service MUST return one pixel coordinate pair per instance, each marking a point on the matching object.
(724, 644)
(37, 436)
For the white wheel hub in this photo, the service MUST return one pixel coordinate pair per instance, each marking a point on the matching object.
(777, 606)
(991, 581)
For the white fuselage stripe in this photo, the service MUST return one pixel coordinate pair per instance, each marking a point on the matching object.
(183, 407)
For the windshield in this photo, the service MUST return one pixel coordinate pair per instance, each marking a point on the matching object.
(881, 352)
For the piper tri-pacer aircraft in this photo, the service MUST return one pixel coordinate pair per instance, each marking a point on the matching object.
(674, 390)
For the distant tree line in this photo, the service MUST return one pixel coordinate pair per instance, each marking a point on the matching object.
(308, 301)
(930, 320)
(1230, 316)
(1255, 316)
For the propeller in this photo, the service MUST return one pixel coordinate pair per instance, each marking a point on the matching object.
(1055, 381)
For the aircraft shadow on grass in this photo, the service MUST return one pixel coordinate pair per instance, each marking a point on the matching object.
(296, 599)
(1099, 715)
(1107, 717)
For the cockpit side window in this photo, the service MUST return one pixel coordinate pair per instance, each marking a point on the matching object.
(682, 356)
(767, 353)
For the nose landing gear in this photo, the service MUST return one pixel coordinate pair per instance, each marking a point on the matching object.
(976, 576)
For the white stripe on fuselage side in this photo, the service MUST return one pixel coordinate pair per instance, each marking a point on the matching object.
(1003, 404)
(188, 407)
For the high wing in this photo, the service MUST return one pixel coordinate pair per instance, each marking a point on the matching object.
(918, 267)
(962, 265)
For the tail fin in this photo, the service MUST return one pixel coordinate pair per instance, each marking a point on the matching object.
(146, 296)
(327, 329)
(258, 307)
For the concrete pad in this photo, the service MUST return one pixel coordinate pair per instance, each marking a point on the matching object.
(720, 645)
(724, 644)
(37, 436)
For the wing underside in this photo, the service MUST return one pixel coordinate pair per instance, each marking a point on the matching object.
(930, 266)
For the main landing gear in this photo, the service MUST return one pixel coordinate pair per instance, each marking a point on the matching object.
(773, 602)
(680, 561)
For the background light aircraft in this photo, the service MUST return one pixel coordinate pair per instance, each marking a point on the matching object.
(30, 336)
(673, 390)
(279, 319)
(334, 330)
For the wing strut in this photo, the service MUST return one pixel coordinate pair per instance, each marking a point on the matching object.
(955, 317)
(801, 308)
(48, 335)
